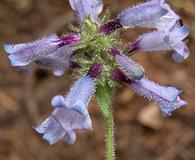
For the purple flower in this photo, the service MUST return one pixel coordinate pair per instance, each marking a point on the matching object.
(131, 69)
(26, 53)
(88, 7)
(160, 41)
(70, 113)
(143, 15)
(167, 98)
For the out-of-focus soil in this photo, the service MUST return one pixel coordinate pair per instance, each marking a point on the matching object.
(141, 133)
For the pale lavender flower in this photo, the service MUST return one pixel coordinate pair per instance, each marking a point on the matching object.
(143, 14)
(70, 113)
(150, 14)
(128, 66)
(167, 98)
(26, 53)
(84, 8)
(160, 41)
(153, 14)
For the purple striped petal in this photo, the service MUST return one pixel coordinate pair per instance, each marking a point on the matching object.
(143, 15)
(87, 7)
(167, 98)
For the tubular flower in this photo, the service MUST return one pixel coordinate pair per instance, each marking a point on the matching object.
(160, 41)
(153, 14)
(97, 55)
(167, 98)
(143, 15)
(70, 113)
(26, 53)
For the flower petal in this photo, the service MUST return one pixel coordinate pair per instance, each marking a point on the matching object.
(58, 101)
(178, 34)
(181, 52)
(23, 54)
(142, 15)
(160, 41)
(58, 62)
(48, 47)
(62, 124)
(167, 21)
(70, 137)
(80, 94)
(87, 7)
(166, 97)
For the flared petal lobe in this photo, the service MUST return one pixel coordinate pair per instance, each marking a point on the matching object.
(167, 98)
(167, 21)
(62, 124)
(88, 7)
(70, 113)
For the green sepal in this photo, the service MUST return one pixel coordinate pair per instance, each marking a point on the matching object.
(89, 25)
(104, 98)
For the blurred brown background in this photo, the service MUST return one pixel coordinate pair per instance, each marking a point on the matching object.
(141, 133)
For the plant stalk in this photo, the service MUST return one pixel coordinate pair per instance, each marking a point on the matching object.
(110, 137)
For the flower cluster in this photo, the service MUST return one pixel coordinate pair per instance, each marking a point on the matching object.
(97, 56)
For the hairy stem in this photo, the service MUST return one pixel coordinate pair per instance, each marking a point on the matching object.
(109, 137)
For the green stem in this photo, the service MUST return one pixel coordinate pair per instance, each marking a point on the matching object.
(109, 137)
